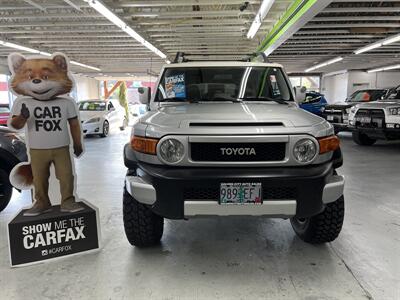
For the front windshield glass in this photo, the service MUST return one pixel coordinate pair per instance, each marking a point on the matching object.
(92, 106)
(366, 95)
(393, 95)
(183, 84)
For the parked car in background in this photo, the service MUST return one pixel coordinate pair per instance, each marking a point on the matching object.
(4, 114)
(12, 152)
(99, 116)
(379, 120)
(314, 103)
(338, 113)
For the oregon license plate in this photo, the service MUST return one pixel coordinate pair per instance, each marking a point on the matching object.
(240, 193)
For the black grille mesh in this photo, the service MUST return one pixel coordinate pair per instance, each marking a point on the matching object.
(213, 152)
(212, 193)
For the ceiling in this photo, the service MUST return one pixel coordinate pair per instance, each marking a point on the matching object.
(212, 29)
(338, 30)
(204, 28)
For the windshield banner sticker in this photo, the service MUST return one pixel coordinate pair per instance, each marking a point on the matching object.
(175, 86)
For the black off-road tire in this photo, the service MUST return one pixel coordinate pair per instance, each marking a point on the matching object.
(322, 228)
(143, 228)
(362, 139)
(106, 129)
(5, 189)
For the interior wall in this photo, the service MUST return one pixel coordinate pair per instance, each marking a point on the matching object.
(335, 87)
(86, 88)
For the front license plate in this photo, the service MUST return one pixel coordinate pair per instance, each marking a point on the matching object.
(330, 118)
(240, 193)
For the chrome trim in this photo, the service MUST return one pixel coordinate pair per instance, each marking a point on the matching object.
(289, 159)
(333, 189)
(281, 208)
(139, 189)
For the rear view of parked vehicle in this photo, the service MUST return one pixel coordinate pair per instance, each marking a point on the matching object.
(314, 103)
(4, 114)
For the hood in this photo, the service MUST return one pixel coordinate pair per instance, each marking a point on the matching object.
(182, 115)
(86, 115)
(380, 104)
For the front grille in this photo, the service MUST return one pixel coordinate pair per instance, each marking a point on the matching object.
(370, 118)
(238, 151)
(212, 193)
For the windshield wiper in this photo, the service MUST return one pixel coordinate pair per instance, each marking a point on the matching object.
(280, 101)
(223, 99)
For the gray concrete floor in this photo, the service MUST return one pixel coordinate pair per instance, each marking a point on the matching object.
(226, 258)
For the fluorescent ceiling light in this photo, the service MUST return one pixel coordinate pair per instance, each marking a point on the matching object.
(262, 12)
(368, 48)
(384, 69)
(31, 50)
(391, 40)
(107, 13)
(324, 64)
(380, 43)
(83, 65)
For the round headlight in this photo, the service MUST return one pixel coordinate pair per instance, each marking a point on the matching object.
(304, 150)
(172, 150)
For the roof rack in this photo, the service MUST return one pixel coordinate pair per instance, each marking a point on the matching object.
(181, 57)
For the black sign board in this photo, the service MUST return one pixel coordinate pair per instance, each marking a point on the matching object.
(52, 235)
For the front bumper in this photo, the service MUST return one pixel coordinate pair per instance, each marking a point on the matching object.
(176, 193)
(91, 128)
(378, 133)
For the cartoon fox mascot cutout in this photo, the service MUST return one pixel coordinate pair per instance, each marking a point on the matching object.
(48, 117)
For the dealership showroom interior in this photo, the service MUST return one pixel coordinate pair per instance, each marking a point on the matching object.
(200, 149)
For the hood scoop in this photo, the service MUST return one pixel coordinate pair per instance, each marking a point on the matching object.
(235, 124)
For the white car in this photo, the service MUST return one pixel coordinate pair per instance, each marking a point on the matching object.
(98, 116)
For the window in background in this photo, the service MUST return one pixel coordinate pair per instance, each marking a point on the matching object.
(312, 83)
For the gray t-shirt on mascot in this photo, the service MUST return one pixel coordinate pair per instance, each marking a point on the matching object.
(47, 126)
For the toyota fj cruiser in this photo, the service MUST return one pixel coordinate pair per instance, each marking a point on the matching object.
(228, 139)
(378, 120)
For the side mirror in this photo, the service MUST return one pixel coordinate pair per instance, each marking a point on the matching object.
(300, 94)
(144, 95)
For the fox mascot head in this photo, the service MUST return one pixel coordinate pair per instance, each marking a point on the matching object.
(42, 79)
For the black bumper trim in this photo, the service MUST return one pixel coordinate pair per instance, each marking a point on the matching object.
(171, 182)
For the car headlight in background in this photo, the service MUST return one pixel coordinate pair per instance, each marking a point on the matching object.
(94, 120)
(17, 142)
(394, 111)
(353, 109)
(348, 110)
(172, 150)
(305, 150)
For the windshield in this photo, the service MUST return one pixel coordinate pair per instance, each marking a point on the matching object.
(223, 84)
(393, 95)
(366, 96)
(92, 106)
(4, 110)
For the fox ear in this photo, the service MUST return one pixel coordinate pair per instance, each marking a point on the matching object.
(15, 61)
(61, 62)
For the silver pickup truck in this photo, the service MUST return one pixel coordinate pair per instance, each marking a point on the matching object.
(228, 139)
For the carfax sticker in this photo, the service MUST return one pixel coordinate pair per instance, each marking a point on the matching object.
(175, 86)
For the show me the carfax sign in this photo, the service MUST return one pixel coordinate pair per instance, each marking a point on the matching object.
(52, 235)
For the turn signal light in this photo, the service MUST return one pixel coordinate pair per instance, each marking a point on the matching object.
(327, 144)
(144, 145)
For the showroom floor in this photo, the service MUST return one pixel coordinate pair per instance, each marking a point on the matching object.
(240, 258)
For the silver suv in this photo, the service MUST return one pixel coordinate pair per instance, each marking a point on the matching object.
(228, 139)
